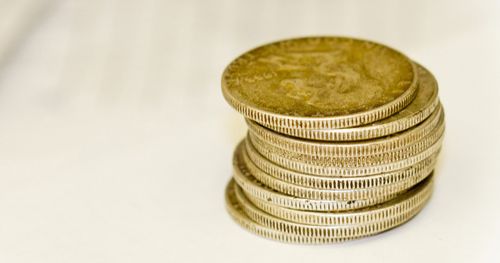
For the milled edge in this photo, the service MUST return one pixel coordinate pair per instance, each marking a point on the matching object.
(389, 185)
(276, 155)
(360, 171)
(322, 170)
(301, 222)
(348, 149)
(362, 132)
(334, 183)
(235, 211)
(257, 189)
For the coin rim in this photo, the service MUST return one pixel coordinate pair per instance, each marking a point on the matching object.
(257, 189)
(421, 171)
(348, 149)
(340, 182)
(415, 197)
(309, 163)
(238, 215)
(321, 170)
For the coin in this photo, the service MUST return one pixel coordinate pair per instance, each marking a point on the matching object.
(419, 109)
(348, 149)
(363, 188)
(257, 189)
(235, 211)
(319, 83)
(257, 164)
(292, 160)
(323, 170)
(327, 169)
(407, 201)
(258, 222)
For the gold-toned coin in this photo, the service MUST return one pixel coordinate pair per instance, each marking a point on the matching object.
(256, 163)
(418, 110)
(257, 189)
(381, 185)
(370, 222)
(410, 200)
(320, 83)
(302, 162)
(348, 149)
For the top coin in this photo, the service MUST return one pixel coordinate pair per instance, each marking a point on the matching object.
(319, 83)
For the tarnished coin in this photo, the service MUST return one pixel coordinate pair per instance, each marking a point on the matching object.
(348, 149)
(319, 83)
(328, 168)
(411, 199)
(376, 186)
(419, 109)
(302, 162)
(257, 164)
(344, 226)
(257, 189)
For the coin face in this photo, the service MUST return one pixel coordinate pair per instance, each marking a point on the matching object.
(318, 77)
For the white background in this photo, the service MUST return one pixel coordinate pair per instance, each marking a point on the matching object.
(116, 144)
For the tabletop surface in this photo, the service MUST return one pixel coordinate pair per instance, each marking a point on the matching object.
(116, 143)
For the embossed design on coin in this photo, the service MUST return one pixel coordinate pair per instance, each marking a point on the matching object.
(318, 77)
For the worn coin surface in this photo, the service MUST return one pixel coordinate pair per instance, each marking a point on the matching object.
(419, 109)
(320, 83)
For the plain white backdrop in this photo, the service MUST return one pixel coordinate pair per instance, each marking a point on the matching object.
(116, 143)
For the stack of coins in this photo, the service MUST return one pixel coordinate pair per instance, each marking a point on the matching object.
(342, 142)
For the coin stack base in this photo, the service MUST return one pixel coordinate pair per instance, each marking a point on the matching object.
(344, 135)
